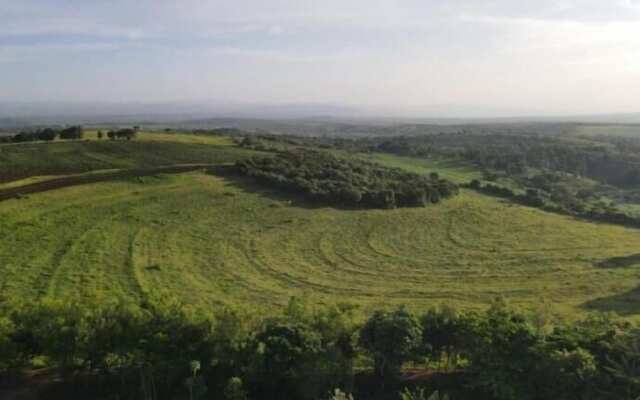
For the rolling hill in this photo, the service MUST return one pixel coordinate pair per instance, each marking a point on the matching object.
(208, 238)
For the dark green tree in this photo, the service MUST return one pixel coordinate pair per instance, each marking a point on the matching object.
(391, 338)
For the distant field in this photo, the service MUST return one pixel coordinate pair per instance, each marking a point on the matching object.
(457, 172)
(609, 130)
(173, 137)
(208, 240)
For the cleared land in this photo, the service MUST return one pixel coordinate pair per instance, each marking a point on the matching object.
(207, 239)
(26, 160)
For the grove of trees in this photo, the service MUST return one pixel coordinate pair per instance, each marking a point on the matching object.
(46, 134)
(69, 133)
(328, 179)
(609, 160)
(164, 350)
(126, 133)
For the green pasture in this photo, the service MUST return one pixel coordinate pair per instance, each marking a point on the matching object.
(210, 240)
(32, 161)
(207, 239)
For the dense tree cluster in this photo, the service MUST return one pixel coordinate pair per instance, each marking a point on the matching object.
(126, 133)
(165, 351)
(328, 179)
(575, 176)
(46, 134)
(607, 160)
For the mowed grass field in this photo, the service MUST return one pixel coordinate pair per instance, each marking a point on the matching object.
(207, 240)
(32, 161)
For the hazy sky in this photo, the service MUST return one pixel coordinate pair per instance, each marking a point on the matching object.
(499, 57)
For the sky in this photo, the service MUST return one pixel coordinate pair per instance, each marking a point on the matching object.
(404, 57)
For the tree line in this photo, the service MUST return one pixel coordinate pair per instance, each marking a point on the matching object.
(576, 208)
(70, 133)
(325, 178)
(547, 170)
(126, 133)
(163, 350)
(608, 160)
(45, 134)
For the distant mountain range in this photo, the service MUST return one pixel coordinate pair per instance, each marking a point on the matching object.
(19, 114)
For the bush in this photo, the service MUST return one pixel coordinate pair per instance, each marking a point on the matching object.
(391, 339)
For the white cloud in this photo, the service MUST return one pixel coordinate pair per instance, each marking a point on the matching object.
(554, 55)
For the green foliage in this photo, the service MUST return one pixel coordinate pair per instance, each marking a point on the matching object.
(126, 133)
(623, 366)
(416, 394)
(609, 160)
(340, 395)
(194, 383)
(165, 351)
(48, 134)
(565, 374)
(72, 132)
(504, 354)
(285, 347)
(447, 335)
(419, 394)
(292, 356)
(146, 348)
(10, 355)
(235, 390)
(391, 338)
(561, 202)
(325, 178)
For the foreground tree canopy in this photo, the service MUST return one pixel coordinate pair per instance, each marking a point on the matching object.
(167, 351)
(325, 178)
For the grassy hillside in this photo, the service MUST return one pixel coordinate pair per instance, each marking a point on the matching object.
(25, 160)
(208, 240)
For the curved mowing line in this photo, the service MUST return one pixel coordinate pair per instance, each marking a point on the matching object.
(44, 281)
(213, 247)
(137, 278)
